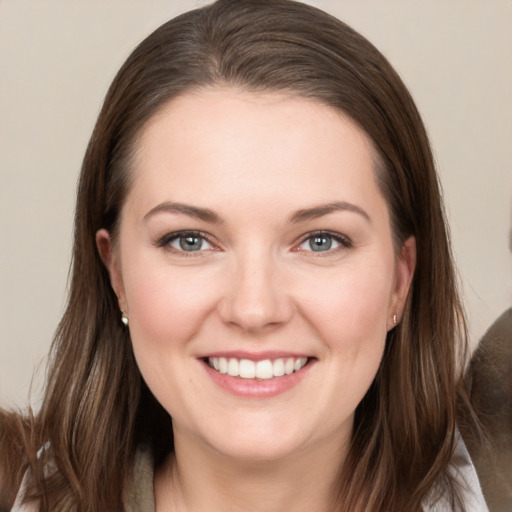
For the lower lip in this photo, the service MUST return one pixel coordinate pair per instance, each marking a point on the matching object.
(254, 388)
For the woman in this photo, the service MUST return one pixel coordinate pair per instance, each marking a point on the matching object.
(263, 312)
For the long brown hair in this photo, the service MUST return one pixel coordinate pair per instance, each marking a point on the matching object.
(97, 408)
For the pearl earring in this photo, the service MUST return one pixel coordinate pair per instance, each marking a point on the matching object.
(395, 319)
(124, 318)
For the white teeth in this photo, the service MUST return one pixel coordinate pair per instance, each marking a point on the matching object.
(288, 366)
(278, 368)
(233, 367)
(223, 365)
(265, 369)
(299, 363)
(247, 369)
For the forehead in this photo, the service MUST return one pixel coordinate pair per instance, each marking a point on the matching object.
(220, 143)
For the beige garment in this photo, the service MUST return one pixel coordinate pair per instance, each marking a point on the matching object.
(139, 496)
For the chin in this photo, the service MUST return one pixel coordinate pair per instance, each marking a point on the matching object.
(250, 451)
(255, 441)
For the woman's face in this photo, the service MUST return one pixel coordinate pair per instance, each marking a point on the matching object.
(255, 263)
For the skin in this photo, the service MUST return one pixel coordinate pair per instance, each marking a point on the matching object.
(256, 285)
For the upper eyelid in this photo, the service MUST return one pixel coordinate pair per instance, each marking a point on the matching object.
(337, 236)
(169, 237)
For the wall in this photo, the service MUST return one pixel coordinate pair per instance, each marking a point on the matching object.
(57, 59)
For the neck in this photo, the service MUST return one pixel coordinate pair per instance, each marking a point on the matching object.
(197, 478)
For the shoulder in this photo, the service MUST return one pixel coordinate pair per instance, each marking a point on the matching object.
(462, 472)
(14, 449)
(138, 494)
(465, 475)
(19, 506)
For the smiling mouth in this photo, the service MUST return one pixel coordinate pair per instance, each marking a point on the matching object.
(262, 370)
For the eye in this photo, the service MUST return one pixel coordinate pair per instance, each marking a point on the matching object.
(186, 241)
(324, 242)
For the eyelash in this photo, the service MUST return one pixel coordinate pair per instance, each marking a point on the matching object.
(166, 240)
(344, 241)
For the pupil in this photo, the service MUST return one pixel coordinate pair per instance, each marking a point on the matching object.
(321, 243)
(190, 243)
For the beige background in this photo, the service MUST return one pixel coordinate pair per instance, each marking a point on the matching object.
(57, 59)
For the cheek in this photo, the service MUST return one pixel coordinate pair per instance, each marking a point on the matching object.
(350, 317)
(167, 309)
(350, 308)
(166, 306)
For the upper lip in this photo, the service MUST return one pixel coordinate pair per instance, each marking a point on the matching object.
(255, 356)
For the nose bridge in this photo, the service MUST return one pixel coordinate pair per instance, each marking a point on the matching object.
(256, 298)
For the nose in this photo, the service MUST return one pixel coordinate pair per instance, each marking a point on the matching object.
(256, 299)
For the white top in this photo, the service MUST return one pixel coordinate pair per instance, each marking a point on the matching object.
(464, 473)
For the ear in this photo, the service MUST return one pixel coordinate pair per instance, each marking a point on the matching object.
(110, 259)
(404, 274)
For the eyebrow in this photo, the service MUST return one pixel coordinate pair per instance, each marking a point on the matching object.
(203, 214)
(302, 215)
(324, 209)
